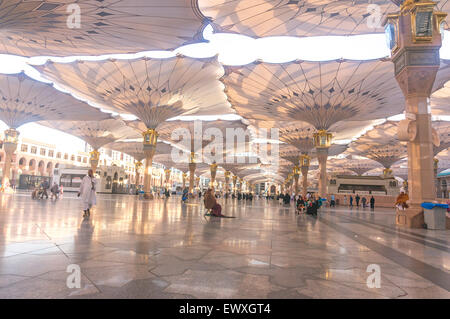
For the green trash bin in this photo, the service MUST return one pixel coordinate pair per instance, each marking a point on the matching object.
(435, 215)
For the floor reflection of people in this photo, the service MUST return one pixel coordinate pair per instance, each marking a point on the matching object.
(83, 239)
(210, 229)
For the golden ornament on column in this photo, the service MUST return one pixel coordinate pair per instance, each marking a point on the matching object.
(387, 172)
(10, 146)
(414, 37)
(213, 170)
(227, 181)
(94, 158)
(167, 172)
(150, 140)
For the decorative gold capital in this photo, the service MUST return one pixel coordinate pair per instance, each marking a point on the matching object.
(305, 160)
(387, 172)
(95, 155)
(11, 136)
(435, 162)
(150, 137)
(322, 139)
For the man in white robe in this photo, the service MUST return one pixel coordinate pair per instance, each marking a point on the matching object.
(87, 192)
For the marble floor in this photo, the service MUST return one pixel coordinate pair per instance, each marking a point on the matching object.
(165, 249)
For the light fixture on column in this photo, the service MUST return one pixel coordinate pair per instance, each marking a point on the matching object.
(387, 172)
(424, 22)
(322, 139)
(304, 160)
(150, 137)
(94, 157)
(11, 136)
(137, 165)
(435, 163)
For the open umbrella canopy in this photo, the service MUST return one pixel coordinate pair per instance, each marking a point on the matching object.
(321, 94)
(95, 133)
(301, 18)
(153, 90)
(24, 100)
(136, 149)
(380, 144)
(92, 27)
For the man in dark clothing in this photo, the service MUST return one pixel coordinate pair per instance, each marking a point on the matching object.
(351, 201)
(372, 203)
(287, 199)
(45, 186)
(357, 200)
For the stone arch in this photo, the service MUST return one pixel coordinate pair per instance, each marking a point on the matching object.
(49, 168)
(41, 168)
(22, 163)
(32, 166)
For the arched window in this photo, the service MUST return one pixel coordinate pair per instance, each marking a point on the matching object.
(108, 182)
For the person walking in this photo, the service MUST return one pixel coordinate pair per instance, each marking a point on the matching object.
(357, 198)
(351, 201)
(55, 191)
(184, 196)
(45, 186)
(87, 192)
(332, 201)
(372, 203)
(364, 201)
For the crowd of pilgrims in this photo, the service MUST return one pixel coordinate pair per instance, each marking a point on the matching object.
(308, 204)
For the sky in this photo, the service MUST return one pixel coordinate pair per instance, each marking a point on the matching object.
(232, 49)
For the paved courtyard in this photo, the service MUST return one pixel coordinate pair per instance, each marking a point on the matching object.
(166, 249)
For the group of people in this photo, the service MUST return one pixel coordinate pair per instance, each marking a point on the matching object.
(310, 204)
(41, 190)
(284, 198)
(363, 201)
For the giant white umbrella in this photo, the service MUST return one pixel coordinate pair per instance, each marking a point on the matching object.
(95, 27)
(153, 90)
(24, 100)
